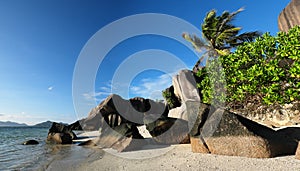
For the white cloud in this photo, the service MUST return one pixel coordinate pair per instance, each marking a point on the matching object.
(105, 89)
(147, 88)
(95, 95)
(21, 118)
(100, 95)
(152, 87)
(50, 88)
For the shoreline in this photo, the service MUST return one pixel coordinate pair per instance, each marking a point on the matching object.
(69, 157)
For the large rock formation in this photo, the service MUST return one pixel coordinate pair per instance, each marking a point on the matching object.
(75, 126)
(59, 138)
(124, 137)
(290, 16)
(218, 131)
(167, 130)
(60, 134)
(117, 120)
(185, 88)
(115, 110)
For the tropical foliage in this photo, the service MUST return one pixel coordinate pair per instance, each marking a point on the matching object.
(219, 36)
(171, 98)
(266, 71)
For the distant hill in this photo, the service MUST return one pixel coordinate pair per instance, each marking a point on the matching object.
(46, 124)
(11, 124)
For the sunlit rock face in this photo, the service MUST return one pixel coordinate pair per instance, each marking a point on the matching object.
(290, 16)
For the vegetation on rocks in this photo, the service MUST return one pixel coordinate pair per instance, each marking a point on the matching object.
(170, 97)
(249, 71)
(266, 71)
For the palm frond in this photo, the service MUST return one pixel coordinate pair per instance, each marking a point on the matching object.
(249, 36)
(245, 37)
(209, 26)
(225, 36)
(198, 44)
(226, 18)
(210, 16)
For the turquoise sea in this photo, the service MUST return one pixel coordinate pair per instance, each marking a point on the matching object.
(15, 156)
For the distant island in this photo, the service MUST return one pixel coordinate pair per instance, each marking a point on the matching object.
(46, 124)
(11, 124)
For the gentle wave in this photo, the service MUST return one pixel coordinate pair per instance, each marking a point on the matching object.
(15, 156)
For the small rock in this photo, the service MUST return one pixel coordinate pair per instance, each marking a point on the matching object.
(30, 142)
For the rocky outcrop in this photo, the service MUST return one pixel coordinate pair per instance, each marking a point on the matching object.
(185, 88)
(167, 130)
(179, 112)
(59, 138)
(115, 115)
(124, 137)
(76, 126)
(290, 16)
(115, 110)
(93, 122)
(118, 118)
(273, 116)
(60, 134)
(218, 131)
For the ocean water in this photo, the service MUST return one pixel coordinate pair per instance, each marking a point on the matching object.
(15, 156)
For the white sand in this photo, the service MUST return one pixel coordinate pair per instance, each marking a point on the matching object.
(160, 157)
(180, 157)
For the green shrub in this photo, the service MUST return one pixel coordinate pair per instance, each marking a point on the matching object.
(170, 97)
(265, 71)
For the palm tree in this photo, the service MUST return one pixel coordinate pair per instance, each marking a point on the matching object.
(219, 36)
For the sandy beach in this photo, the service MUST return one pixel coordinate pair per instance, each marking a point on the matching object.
(162, 157)
(179, 157)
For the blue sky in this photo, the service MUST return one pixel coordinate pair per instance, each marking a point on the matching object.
(40, 42)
